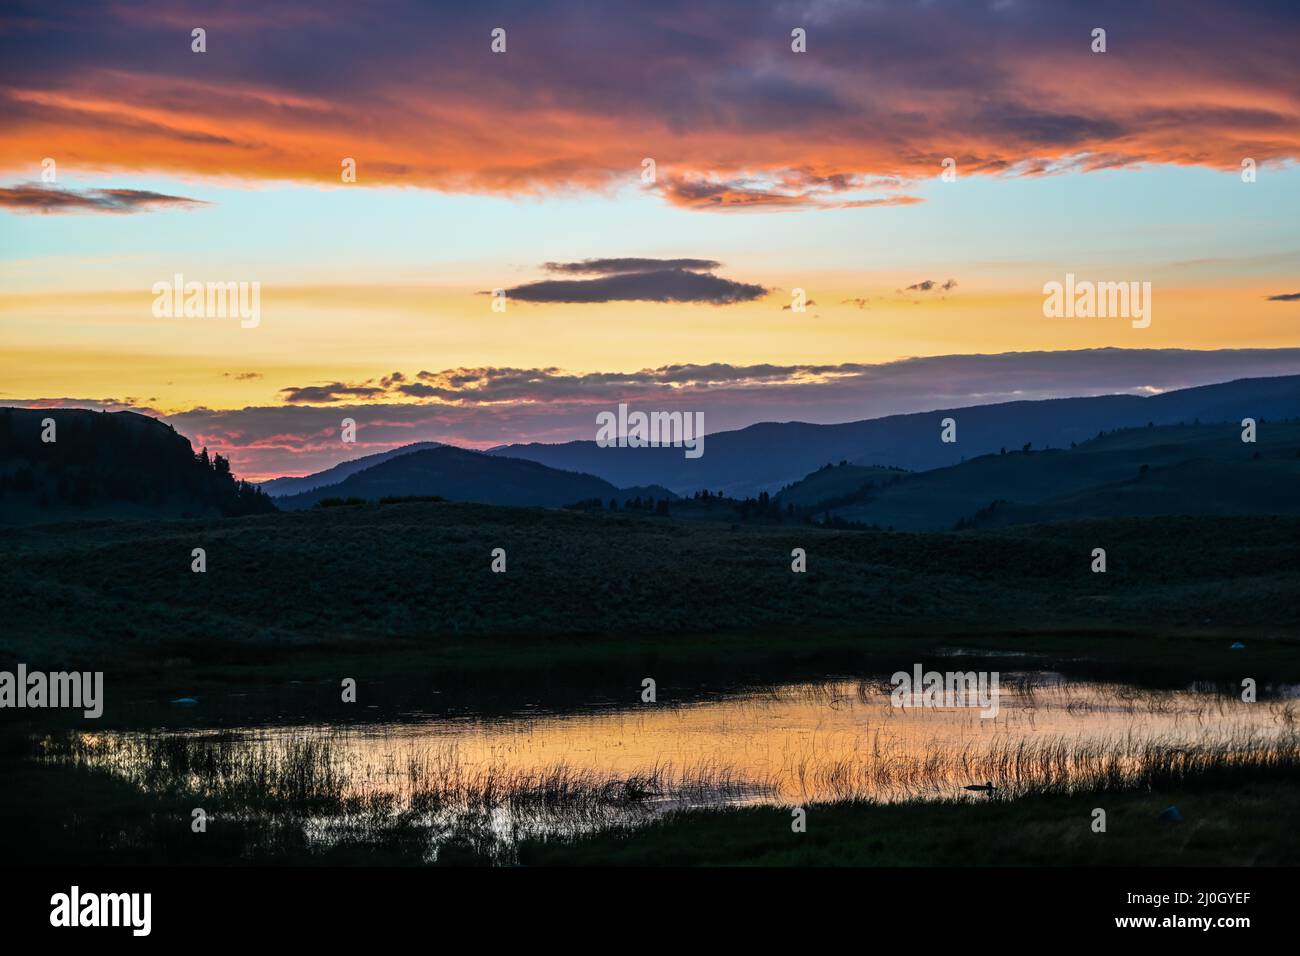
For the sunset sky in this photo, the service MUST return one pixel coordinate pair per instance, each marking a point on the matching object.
(774, 170)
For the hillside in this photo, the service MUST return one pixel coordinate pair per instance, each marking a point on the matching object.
(1170, 470)
(281, 487)
(832, 483)
(766, 456)
(460, 475)
(1202, 487)
(111, 465)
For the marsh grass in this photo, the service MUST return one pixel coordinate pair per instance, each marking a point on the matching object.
(324, 792)
(316, 782)
(314, 788)
(1054, 765)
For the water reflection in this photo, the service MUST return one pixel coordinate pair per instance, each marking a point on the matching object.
(528, 774)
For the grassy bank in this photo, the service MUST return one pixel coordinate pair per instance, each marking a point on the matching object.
(1249, 825)
(1236, 811)
(297, 596)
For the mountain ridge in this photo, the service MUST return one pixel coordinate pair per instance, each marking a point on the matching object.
(767, 455)
(290, 485)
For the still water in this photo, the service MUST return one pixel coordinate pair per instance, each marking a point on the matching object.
(531, 773)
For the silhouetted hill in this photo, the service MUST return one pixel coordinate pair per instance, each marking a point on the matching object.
(832, 483)
(280, 487)
(768, 455)
(110, 464)
(1149, 472)
(460, 475)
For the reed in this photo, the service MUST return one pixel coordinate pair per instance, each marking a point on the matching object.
(313, 789)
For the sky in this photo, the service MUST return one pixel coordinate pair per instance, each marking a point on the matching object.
(128, 158)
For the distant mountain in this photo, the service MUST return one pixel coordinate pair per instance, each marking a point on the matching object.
(460, 475)
(110, 465)
(1160, 470)
(280, 487)
(766, 456)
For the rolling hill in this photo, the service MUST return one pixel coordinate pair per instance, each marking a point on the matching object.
(470, 476)
(1152, 471)
(831, 483)
(766, 456)
(281, 487)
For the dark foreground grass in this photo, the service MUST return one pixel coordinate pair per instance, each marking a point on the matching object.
(91, 802)
(390, 589)
(79, 817)
(1250, 825)
(85, 817)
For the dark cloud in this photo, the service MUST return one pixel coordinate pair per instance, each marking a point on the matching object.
(334, 392)
(95, 404)
(723, 195)
(929, 285)
(31, 197)
(885, 93)
(657, 285)
(1015, 123)
(614, 266)
(1285, 297)
(491, 385)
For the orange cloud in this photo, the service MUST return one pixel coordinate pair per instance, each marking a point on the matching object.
(732, 117)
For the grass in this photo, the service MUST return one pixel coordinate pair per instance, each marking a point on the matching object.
(295, 596)
(128, 799)
(308, 773)
(1251, 824)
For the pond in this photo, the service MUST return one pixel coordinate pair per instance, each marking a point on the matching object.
(535, 774)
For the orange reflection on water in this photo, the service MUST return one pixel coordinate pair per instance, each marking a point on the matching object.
(816, 741)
